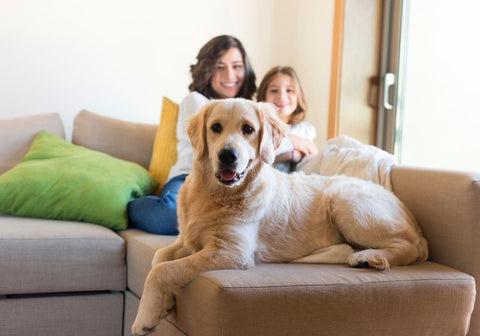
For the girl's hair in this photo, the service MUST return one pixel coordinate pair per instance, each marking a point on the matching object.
(207, 59)
(299, 113)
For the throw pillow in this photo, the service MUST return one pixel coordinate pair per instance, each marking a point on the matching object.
(164, 154)
(59, 180)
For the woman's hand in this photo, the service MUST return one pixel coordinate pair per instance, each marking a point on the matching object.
(302, 145)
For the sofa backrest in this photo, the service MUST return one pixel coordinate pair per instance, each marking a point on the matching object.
(16, 136)
(122, 139)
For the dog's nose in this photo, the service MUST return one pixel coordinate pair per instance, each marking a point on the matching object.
(228, 156)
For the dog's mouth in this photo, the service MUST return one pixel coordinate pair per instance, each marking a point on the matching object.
(229, 177)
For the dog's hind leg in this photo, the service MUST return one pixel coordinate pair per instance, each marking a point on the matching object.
(380, 226)
(335, 254)
(397, 252)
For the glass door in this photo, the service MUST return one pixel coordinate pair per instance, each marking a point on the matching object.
(429, 113)
(388, 109)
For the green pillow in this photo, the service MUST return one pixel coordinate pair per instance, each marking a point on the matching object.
(59, 180)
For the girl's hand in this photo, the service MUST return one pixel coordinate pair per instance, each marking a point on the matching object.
(302, 145)
(296, 156)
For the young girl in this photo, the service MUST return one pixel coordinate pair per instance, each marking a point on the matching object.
(281, 86)
(222, 70)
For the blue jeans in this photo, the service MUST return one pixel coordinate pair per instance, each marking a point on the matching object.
(157, 214)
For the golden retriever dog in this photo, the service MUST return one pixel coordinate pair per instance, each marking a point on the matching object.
(235, 210)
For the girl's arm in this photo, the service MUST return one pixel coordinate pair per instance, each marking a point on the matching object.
(302, 145)
(292, 156)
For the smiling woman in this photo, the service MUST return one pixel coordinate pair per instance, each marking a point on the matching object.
(228, 75)
(223, 70)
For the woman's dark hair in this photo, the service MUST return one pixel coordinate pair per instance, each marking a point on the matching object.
(299, 113)
(207, 59)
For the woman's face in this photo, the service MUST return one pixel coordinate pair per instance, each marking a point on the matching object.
(281, 92)
(228, 75)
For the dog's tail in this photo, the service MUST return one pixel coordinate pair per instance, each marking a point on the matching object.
(422, 248)
(332, 222)
(421, 245)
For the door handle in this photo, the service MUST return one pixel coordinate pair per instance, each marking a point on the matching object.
(388, 82)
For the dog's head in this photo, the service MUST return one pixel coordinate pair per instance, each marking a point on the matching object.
(234, 135)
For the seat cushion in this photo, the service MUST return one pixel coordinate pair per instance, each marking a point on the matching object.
(310, 299)
(47, 256)
(98, 314)
(305, 299)
(141, 247)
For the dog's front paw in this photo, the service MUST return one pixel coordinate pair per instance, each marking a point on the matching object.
(151, 311)
(145, 322)
(140, 328)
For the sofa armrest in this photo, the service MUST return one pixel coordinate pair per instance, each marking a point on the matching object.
(446, 204)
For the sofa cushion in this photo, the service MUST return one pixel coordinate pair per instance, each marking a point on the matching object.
(46, 256)
(141, 246)
(121, 139)
(72, 315)
(59, 180)
(301, 299)
(164, 153)
(308, 299)
(17, 135)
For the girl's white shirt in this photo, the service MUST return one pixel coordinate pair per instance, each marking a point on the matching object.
(190, 105)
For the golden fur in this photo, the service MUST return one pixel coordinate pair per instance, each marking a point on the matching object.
(235, 210)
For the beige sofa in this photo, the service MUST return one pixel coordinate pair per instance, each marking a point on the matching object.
(73, 278)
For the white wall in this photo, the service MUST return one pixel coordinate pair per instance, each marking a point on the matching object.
(303, 32)
(119, 57)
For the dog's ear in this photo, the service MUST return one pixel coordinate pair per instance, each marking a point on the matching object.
(196, 131)
(273, 131)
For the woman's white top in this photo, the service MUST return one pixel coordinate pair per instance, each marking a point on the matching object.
(190, 105)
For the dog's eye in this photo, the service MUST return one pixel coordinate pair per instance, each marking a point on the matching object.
(217, 128)
(247, 129)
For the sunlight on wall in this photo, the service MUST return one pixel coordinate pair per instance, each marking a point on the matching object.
(441, 125)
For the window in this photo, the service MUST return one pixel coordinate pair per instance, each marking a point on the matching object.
(434, 57)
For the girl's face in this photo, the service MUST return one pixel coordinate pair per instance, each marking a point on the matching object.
(228, 75)
(281, 92)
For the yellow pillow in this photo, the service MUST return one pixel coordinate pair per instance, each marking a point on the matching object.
(164, 153)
